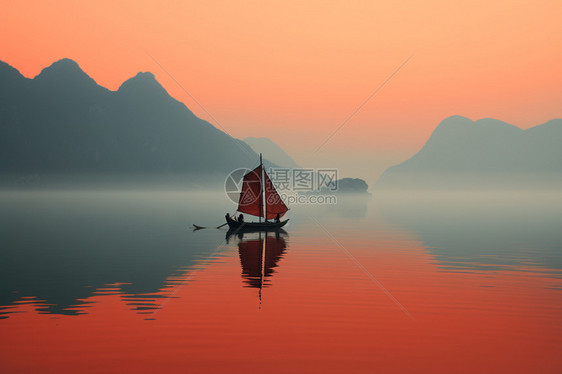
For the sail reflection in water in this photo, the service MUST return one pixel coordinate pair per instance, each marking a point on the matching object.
(259, 255)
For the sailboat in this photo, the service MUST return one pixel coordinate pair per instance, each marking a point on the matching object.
(258, 197)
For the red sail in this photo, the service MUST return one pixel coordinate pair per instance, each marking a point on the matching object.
(250, 197)
(275, 204)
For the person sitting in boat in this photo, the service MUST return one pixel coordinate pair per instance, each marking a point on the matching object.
(277, 218)
(228, 217)
(241, 218)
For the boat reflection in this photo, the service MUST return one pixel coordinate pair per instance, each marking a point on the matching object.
(259, 253)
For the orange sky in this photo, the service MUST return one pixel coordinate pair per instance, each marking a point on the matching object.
(294, 71)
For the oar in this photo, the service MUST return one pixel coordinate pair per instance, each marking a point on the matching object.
(197, 227)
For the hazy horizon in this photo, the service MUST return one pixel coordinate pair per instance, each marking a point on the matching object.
(491, 136)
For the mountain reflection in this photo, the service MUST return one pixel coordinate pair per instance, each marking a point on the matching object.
(259, 256)
(59, 251)
(488, 232)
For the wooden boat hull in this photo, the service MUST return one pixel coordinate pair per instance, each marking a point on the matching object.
(254, 226)
(279, 233)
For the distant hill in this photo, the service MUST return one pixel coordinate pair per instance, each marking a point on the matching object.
(272, 151)
(343, 186)
(62, 122)
(352, 185)
(487, 153)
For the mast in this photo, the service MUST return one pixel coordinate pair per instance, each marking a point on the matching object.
(263, 191)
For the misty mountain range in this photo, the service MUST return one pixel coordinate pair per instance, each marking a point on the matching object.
(487, 153)
(63, 122)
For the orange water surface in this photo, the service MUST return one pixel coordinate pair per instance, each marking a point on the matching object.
(335, 294)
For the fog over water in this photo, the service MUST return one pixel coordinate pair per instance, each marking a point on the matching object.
(60, 246)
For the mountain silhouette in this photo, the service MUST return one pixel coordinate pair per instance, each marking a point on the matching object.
(62, 122)
(274, 153)
(487, 153)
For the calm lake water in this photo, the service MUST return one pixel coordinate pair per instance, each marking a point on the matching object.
(115, 282)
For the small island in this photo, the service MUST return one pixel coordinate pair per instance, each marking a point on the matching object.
(352, 185)
(343, 186)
